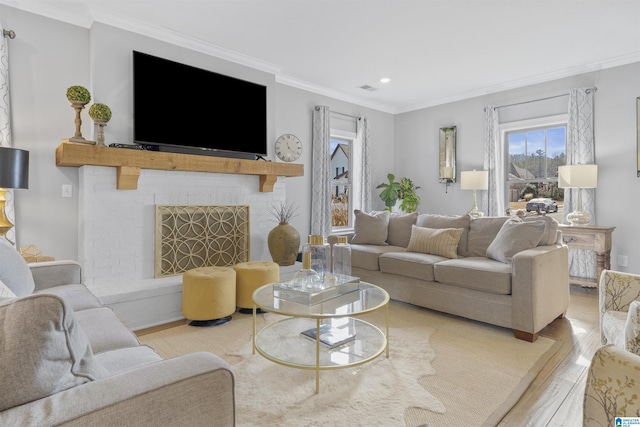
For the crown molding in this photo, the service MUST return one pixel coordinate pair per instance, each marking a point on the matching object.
(86, 15)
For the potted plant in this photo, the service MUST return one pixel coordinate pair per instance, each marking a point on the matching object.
(284, 239)
(101, 114)
(403, 192)
(78, 94)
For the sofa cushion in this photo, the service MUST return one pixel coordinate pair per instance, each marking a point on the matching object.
(44, 351)
(104, 330)
(126, 359)
(551, 229)
(479, 273)
(482, 231)
(443, 221)
(515, 236)
(370, 229)
(409, 264)
(77, 296)
(366, 256)
(632, 328)
(14, 271)
(435, 241)
(612, 325)
(399, 232)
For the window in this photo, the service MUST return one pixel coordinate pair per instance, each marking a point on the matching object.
(534, 150)
(341, 154)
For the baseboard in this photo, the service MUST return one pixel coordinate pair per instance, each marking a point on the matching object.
(142, 308)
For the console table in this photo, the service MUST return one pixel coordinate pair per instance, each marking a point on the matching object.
(590, 237)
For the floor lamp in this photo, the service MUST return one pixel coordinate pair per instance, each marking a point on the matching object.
(578, 176)
(14, 173)
(474, 180)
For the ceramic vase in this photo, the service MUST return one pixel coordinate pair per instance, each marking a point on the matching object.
(284, 244)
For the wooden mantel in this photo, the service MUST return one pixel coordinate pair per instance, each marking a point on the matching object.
(129, 162)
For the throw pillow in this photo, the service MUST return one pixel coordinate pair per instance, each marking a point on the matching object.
(435, 241)
(370, 229)
(632, 328)
(400, 228)
(515, 236)
(5, 292)
(482, 231)
(443, 221)
(14, 271)
(46, 349)
(551, 229)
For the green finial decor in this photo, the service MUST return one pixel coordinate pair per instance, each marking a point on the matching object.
(101, 114)
(100, 111)
(79, 96)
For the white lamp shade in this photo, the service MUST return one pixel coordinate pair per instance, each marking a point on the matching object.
(474, 180)
(578, 176)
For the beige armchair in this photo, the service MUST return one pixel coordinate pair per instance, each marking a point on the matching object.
(620, 310)
(613, 387)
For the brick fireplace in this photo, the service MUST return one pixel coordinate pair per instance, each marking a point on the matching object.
(117, 232)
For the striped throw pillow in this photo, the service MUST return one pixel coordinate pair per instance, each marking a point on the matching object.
(435, 241)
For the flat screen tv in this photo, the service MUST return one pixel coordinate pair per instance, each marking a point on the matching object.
(184, 109)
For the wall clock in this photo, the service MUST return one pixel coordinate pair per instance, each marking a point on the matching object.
(288, 147)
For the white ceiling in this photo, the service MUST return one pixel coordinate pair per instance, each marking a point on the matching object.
(434, 51)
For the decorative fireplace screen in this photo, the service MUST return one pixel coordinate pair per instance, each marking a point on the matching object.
(198, 236)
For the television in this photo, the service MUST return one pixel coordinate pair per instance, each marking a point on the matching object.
(184, 109)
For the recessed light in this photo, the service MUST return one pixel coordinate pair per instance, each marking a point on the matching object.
(385, 80)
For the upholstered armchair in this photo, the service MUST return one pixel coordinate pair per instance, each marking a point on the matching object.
(613, 387)
(620, 310)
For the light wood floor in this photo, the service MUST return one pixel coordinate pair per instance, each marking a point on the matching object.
(555, 396)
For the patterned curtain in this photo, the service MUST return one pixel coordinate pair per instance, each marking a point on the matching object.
(320, 173)
(5, 126)
(361, 197)
(492, 201)
(581, 150)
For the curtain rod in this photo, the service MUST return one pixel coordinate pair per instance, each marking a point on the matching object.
(338, 113)
(595, 89)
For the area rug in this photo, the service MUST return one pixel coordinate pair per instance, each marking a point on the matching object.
(442, 371)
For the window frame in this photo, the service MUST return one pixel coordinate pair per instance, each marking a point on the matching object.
(350, 137)
(523, 125)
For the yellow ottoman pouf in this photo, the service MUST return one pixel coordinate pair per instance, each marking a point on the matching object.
(208, 295)
(249, 277)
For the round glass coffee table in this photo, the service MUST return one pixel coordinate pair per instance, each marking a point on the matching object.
(283, 342)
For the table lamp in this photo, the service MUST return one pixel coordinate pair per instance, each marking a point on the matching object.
(474, 180)
(578, 176)
(14, 173)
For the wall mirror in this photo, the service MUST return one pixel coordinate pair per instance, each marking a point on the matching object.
(447, 156)
(638, 131)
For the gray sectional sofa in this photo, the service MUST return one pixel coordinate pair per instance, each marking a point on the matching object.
(68, 360)
(504, 271)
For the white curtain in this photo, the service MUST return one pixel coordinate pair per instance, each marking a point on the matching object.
(492, 201)
(361, 174)
(5, 125)
(320, 173)
(581, 150)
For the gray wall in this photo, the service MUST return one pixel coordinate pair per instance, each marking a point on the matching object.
(48, 56)
(617, 200)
